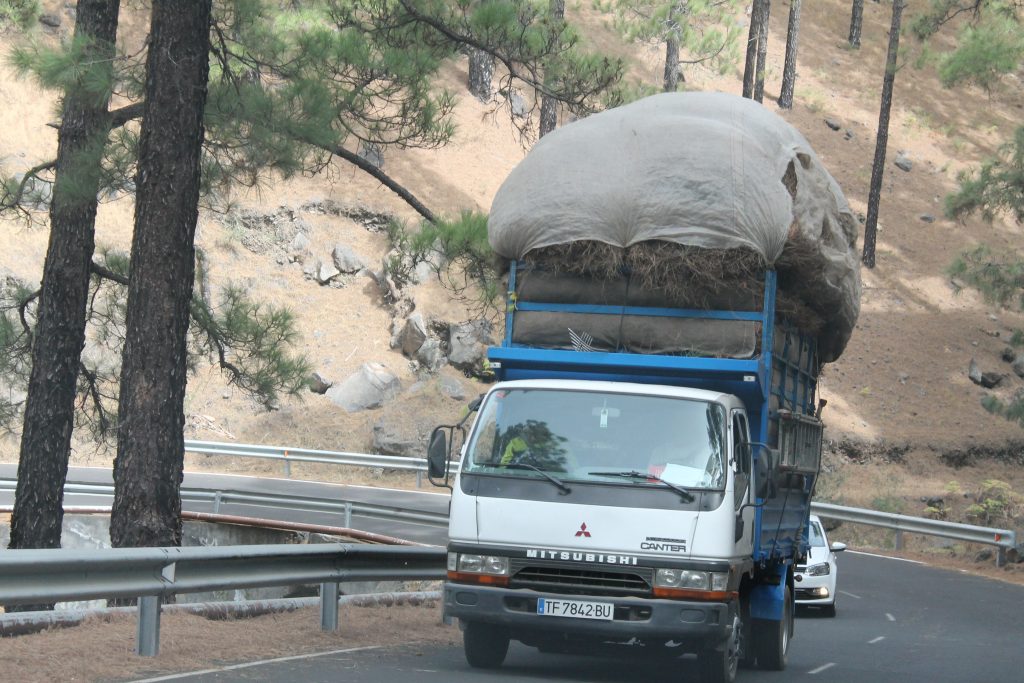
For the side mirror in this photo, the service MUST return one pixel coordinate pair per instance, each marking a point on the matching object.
(838, 547)
(437, 456)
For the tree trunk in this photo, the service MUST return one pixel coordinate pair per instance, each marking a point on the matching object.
(671, 64)
(150, 448)
(762, 49)
(549, 105)
(60, 321)
(856, 20)
(750, 64)
(878, 167)
(789, 70)
(481, 73)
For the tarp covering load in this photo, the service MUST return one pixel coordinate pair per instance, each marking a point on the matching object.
(682, 200)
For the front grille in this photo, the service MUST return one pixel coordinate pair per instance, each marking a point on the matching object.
(569, 578)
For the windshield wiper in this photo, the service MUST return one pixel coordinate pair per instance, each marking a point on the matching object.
(562, 486)
(634, 474)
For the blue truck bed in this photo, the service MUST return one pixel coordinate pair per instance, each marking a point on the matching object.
(778, 383)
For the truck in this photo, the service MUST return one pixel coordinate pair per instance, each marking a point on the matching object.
(640, 475)
(605, 498)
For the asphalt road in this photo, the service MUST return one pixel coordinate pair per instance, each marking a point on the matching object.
(898, 622)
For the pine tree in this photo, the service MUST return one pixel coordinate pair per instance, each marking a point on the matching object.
(762, 49)
(789, 70)
(150, 458)
(756, 36)
(548, 104)
(856, 23)
(703, 30)
(60, 328)
(882, 137)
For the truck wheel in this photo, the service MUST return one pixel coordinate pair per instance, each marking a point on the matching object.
(485, 644)
(720, 665)
(771, 638)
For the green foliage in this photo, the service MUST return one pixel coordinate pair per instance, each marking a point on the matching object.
(705, 30)
(21, 14)
(460, 254)
(1000, 280)
(995, 503)
(252, 343)
(984, 53)
(996, 188)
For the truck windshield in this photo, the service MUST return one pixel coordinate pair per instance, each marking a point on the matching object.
(596, 436)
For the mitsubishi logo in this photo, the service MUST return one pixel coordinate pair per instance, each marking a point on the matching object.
(583, 531)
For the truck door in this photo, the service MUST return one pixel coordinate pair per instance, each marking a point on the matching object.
(742, 467)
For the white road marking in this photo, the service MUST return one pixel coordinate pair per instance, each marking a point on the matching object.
(821, 668)
(890, 617)
(246, 665)
(885, 557)
(851, 595)
(875, 640)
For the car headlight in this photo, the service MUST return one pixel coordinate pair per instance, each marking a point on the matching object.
(823, 569)
(494, 565)
(691, 579)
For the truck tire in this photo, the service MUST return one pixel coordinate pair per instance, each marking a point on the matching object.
(485, 645)
(720, 665)
(771, 638)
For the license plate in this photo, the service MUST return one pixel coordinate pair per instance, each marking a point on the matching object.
(577, 609)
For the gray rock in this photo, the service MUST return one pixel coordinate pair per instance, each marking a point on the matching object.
(373, 153)
(319, 384)
(452, 388)
(423, 272)
(412, 336)
(903, 162)
(325, 272)
(1018, 366)
(518, 105)
(346, 260)
(989, 380)
(1008, 355)
(309, 269)
(985, 555)
(431, 356)
(833, 124)
(51, 20)
(466, 346)
(927, 218)
(300, 244)
(368, 388)
(393, 436)
(848, 135)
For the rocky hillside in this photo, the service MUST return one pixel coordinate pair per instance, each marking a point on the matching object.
(904, 414)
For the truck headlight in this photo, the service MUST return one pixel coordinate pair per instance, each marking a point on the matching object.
(691, 579)
(494, 565)
(823, 569)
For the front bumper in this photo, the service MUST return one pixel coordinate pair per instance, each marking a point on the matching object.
(699, 624)
(808, 589)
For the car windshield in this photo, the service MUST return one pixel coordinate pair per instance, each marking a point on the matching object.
(817, 535)
(600, 437)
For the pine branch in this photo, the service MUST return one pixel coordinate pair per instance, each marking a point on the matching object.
(384, 178)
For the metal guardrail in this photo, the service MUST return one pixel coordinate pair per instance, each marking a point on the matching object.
(288, 455)
(152, 574)
(1003, 539)
(217, 498)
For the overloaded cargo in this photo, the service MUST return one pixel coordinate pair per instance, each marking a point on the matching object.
(679, 200)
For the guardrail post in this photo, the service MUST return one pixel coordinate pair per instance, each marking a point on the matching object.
(1000, 556)
(216, 503)
(899, 539)
(419, 479)
(328, 607)
(148, 639)
(287, 465)
(348, 515)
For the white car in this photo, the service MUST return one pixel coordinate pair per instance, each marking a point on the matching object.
(816, 580)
